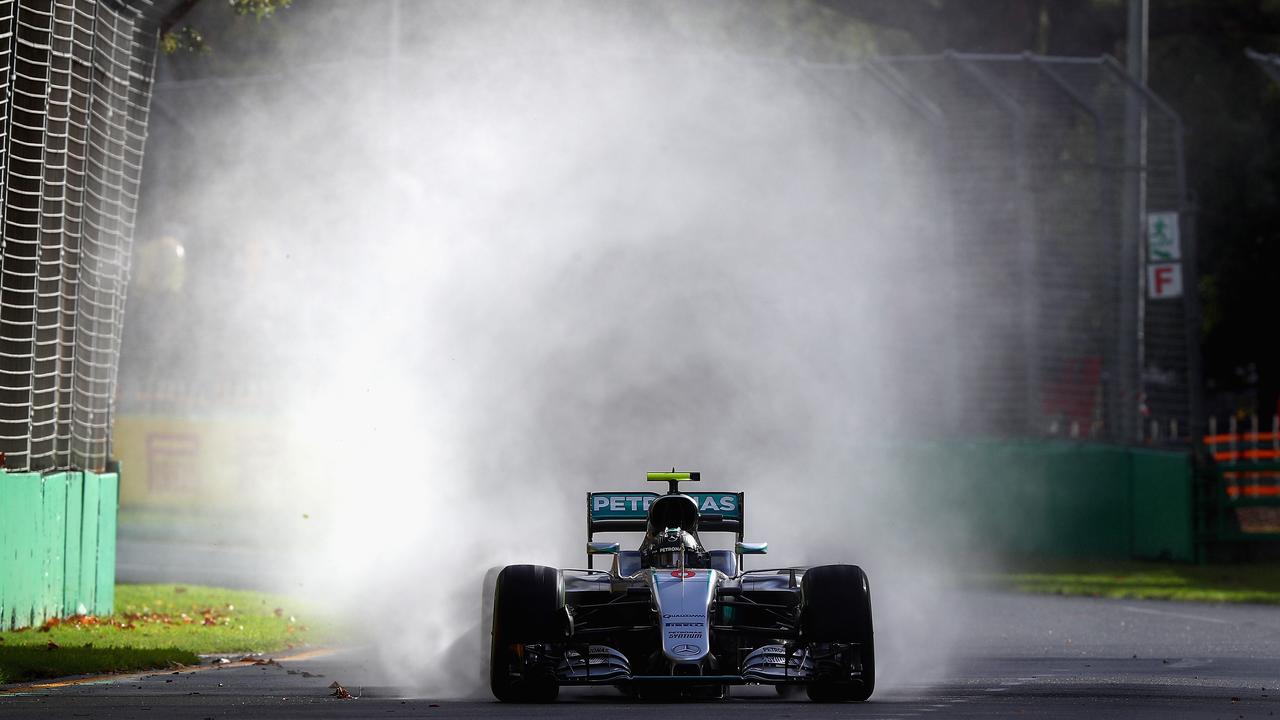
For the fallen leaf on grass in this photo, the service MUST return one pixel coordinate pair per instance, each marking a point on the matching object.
(52, 646)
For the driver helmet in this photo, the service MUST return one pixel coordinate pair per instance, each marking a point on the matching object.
(672, 548)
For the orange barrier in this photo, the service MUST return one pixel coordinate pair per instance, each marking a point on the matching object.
(1251, 475)
(1234, 455)
(1238, 450)
(1253, 491)
(1246, 466)
(1251, 437)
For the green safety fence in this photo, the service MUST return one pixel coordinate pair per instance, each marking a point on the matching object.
(1049, 498)
(57, 545)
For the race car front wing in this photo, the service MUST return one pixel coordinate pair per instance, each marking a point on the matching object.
(770, 664)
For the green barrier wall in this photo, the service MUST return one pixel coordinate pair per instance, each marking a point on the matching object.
(1163, 505)
(57, 545)
(1049, 499)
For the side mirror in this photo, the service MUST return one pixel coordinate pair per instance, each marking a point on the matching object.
(750, 548)
(603, 548)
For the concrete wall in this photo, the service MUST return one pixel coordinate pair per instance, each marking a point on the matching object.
(57, 545)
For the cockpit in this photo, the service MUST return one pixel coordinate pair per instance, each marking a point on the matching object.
(671, 539)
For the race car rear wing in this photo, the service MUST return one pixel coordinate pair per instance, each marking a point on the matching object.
(627, 512)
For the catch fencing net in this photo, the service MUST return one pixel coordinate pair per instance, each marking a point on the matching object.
(1037, 180)
(76, 82)
(1056, 169)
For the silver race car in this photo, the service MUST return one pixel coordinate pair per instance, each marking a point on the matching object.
(674, 619)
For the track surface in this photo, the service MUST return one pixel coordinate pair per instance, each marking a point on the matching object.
(1020, 656)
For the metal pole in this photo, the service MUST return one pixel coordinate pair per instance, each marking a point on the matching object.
(1193, 319)
(1129, 385)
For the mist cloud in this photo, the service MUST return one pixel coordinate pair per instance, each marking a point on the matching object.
(508, 270)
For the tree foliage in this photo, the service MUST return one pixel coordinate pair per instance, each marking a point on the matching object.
(259, 8)
(173, 39)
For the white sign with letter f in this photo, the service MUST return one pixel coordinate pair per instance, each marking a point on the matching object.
(1164, 280)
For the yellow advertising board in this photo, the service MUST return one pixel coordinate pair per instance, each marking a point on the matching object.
(171, 462)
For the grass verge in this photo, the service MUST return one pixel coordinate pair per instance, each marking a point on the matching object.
(156, 626)
(1258, 583)
(25, 662)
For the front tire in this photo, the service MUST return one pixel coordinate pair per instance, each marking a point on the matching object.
(528, 609)
(836, 608)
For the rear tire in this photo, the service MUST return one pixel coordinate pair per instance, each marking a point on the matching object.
(837, 609)
(528, 608)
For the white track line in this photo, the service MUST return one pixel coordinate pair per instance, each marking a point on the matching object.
(1184, 616)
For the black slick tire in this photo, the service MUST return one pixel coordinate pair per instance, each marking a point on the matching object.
(528, 608)
(836, 608)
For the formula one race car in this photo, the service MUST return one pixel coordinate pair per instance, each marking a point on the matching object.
(675, 619)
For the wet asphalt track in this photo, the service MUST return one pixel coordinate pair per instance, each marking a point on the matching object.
(1020, 656)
